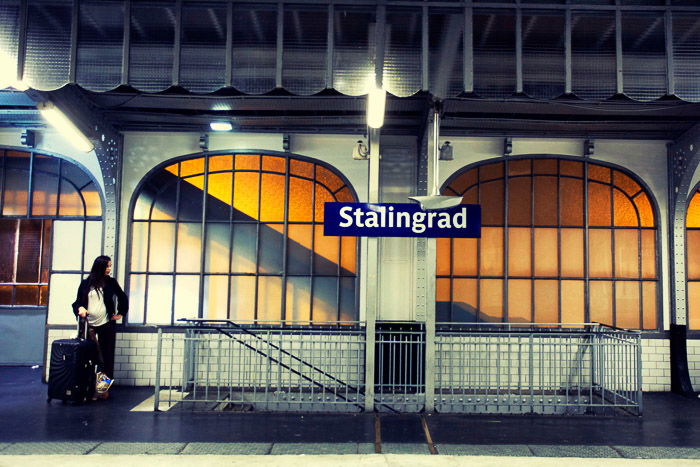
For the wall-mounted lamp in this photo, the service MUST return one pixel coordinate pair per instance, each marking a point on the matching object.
(589, 147)
(221, 126)
(360, 151)
(204, 142)
(508, 146)
(28, 138)
(376, 103)
(65, 126)
(446, 152)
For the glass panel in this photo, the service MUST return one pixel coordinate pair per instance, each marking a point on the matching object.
(572, 252)
(348, 311)
(48, 45)
(600, 297)
(546, 261)
(599, 253)
(301, 168)
(203, 47)
(6, 295)
(348, 256)
(222, 163)
(644, 54)
(572, 302)
(242, 298)
(464, 259)
(494, 53)
(247, 162)
(571, 201)
(191, 199)
(299, 249)
(305, 37)
(245, 195)
(322, 196)
(325, 299)
(464, 181)
(244, 253)
(599, 173)
(694, 305)
(545, 201)
(649, 254)
(139, 246)
(491, 297)
(142, 207)
(519, 301)
(152, 39)
(272, 198)
(625, 183)
(444, 256)
(519, 167)
(491, 251)
(165, 205)
(593, 54)
(402, 63)
(93, 242)
(300, 204)
(254, 48)
(160, 300)
(345, 196)
(189, 247)
(646, 213)
(693, 214)
(464, 301)
(274, 164)
(545, 166)
(162, 247)
(626, 253)
(219, 200)
(627, 304)
(16, 186)
(490, 171)
(215, 297)
(443, 290)
(298, 300)
(447, 80)
(544, 66)
(326, 251)
(26, 295)
(186, 296)
(351, 61)
(65, 233)
(269, 298)
(217, 248)
(649, 299)
(328, 179)
(271, 250)
(598, 204)
(625, 214)
(519, 201)
(137, 292)
(101, 37)
(8, 234)
(46, 249)
(546, 301)
(71, 200)
(189, 167)
(519, 252)
(43, 295)
(571, 168)
(491, 200)
(44, 186)
(93, 202)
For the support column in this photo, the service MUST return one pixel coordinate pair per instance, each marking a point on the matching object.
(683, 157)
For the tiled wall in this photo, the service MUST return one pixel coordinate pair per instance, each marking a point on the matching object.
(694, 362)
(656, 365)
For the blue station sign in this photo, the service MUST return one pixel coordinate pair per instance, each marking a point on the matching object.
(401, 220)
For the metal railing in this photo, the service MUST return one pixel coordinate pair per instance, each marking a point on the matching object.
(537, 368)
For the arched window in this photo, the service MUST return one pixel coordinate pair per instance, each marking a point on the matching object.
(563, 241)
(240, 236)
(41, 196)
(692, 224)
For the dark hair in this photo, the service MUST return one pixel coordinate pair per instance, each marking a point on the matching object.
(96, 279)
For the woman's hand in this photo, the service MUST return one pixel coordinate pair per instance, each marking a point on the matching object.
(82, 312)
(116, 317)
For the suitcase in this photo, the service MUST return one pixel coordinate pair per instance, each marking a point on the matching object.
(72, 369)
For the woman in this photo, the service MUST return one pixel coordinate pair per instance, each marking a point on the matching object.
(102, 302)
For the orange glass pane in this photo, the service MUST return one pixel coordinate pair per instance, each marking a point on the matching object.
(274, 164)
(627, 304)
(26, 295)
(545, 201)
(221, 163)
(191, 167)
(269, 298)
(348, 256)
(571, 202)
(442, 290)
(599, 173)
(71, 202)
(322, 196)
(624, 213)
(301, 168)
(519, 251)
(491, 251)
(464, 300)
(345, 196)
(649, 305)
(546, 301)
(694, 305)
(464, 256)
(491, 171)
(491, 300)
(46, 250)
(520, 167)
(693, 216)
(572, 252)
(173, 168)
(519, 301)
(93, 202)
(247, 162)
(6, 295)
(326, 251)
(44, 190)
(272, 194)
(464, 181)
(626, 253)
(491, 200)
(328, 178)
(572, 168)
(245, 195)
(599, 253)
(43, 295)
(625, 183)
(546, 261)
(444, 256)
(598, 204)
(471, 196)
(693, 256)
(646, 213)
(648, 254)
(519, 201)
(300, 194)
(600, 297)
(572, 302)
(219, 186)
(545, 166)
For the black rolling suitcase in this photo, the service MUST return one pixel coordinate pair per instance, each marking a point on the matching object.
(72, 368)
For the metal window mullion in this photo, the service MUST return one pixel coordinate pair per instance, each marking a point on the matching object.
(15, 255)
(532, 241)
(126, 43)
(618, 52)
(177, 224)
(612, 252)
(203, 237)
(640, 276)
(452, 280)
(30, 184)
(586, 275)
(330, 46)
(668, 32)
(73, 60)
(560, 313)
(568, 58)
(257, 243)
(60, 188)
(2, 182)
(506, 243)
(313, 247)
(468, 64)
(230, 236)
(285, 241)
(478, 251)
(22, 39)
(177, 45)
(519, 51)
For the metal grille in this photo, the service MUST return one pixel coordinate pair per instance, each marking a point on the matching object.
(498, 368)
(224, 366)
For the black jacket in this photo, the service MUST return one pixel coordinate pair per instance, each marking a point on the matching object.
(112, 292)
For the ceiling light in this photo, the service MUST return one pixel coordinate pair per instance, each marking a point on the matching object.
(221, 126)
(376, 102)
(65, 127)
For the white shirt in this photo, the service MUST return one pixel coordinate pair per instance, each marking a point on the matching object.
(97, 312)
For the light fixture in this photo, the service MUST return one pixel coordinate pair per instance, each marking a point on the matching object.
(221, 125)
(446, 152)
(8, 77)
(360, 151)
(376, 102)
(60, 122)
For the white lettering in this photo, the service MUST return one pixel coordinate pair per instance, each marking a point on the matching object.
(358, 218)
(460, 219)
(344, 214)
(445, 221)
(371, 219)
(418, 225)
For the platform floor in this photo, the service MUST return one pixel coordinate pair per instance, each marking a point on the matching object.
(669, 429)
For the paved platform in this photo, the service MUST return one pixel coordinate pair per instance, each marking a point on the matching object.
(669, 429)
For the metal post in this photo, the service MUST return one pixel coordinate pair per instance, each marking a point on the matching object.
(429, 278)
(156, 398)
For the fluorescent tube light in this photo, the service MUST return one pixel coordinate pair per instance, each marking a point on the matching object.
(221, 126)
(60, 122)
(376, 102)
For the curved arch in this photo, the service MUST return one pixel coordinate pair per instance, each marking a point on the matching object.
(564, 239)
(247, 226)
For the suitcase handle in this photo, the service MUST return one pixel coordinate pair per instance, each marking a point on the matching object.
(86, 327)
